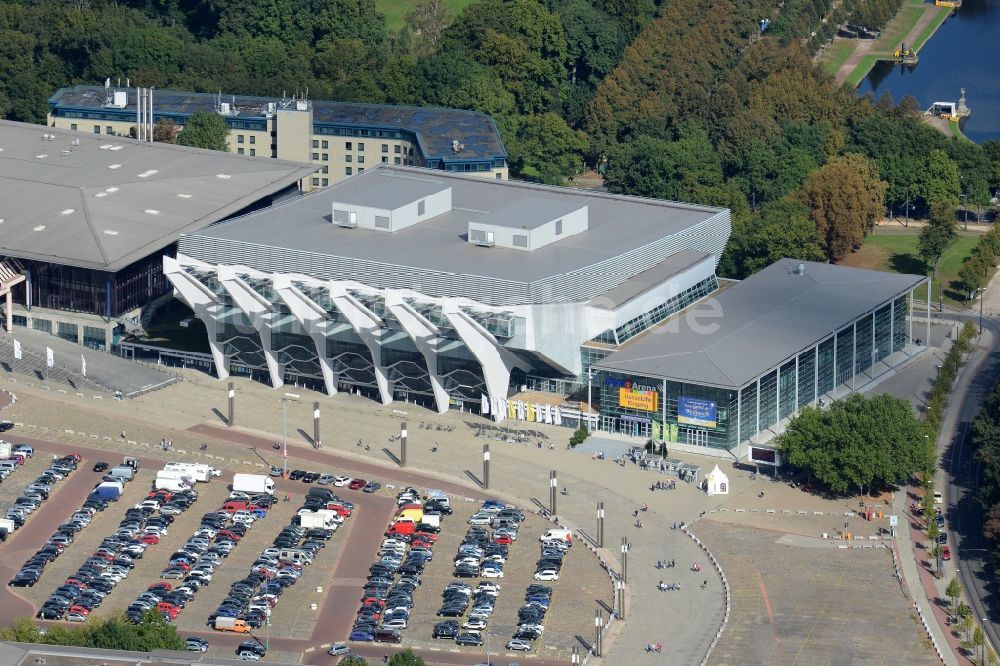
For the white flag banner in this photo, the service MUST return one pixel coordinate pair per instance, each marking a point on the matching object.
(484, 404)
(557, 416)
(49, 358)
(17, 350)
(83, 365)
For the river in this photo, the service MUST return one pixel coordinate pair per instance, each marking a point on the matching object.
(964, 52)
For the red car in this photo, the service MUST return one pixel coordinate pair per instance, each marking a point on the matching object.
(82, 610)
(169, 610)
(76, 583)
(503, 540)
(945, 553)
(229, 534)
(74, 456)
(149, 540)
(164, 586)
(357, 484)
(425, 536)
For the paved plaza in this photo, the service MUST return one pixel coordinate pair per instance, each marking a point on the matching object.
(356, 429)
(795, 604)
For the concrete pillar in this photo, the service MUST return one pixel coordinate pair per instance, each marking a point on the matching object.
(486, 466)
(600, 524)
(625, 559)
(316, 436)
(231, 419)
(553, 482)
(402, 444)
(599, 627)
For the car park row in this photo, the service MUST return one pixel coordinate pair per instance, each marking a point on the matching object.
(408, 546)
(36, 493)
(480, 555)
(12, 457)
(252, 599)
(111, 563)
(195, 562)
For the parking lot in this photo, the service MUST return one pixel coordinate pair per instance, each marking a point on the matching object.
(12, 486)
(581, 582)
(293, 618)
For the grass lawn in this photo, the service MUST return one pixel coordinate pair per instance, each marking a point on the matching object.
(861, 71)
(930, 29)
(899, 26)
(838, 53)
(896, 251)
(395, 11)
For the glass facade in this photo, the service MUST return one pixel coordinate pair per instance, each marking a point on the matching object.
(109, 295)
(651, 317)
(647, 407)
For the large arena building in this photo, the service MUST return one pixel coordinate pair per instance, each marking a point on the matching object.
(454, 291)
(404, 283)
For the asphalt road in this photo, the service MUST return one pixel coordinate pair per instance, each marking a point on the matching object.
(336, 615)
(964, 514)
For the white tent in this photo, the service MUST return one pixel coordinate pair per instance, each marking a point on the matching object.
(717, 483)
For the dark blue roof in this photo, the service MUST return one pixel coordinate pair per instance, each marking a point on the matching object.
(434, 128)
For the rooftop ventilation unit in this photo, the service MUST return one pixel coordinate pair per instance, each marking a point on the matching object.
(486, 239)
(346, 219)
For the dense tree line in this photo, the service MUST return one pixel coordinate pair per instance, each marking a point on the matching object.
(674, 100)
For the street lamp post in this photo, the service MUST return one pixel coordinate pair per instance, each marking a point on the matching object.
(288, 397)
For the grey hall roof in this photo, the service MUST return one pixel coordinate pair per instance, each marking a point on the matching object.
(102, 202)
(617, 225)
(759, 323)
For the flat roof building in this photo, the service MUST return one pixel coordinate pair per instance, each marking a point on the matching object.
(85, 220)
(340, 139)
(410, 284)
(726, 376)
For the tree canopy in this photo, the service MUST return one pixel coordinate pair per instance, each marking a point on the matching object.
(110, 633)
(859, 444)
(204, 130)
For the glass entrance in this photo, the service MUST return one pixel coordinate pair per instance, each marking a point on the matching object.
(609, 423)
(696, 436)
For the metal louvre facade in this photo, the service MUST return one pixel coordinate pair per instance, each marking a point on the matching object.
(580, 285)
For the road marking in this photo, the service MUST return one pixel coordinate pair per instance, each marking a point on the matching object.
(770, 616)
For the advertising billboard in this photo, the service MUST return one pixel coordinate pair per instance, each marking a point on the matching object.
(696, 412)
(638, 398)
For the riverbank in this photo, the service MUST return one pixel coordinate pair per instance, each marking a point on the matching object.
(850, 60)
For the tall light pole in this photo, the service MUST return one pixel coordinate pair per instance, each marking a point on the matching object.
(288, 397)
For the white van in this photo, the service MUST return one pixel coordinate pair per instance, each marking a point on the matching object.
(8, 465)
(557, 535)
(295, 556)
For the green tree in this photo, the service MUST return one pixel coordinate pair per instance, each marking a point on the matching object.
(938, 234)
(857, 444)
(204, 130)
(845, 199)
(544, 148)
(673, 170)
(954, 591)
(780, 229)
(353, 660)
(406, 658)
(940, 180)
(23, 630)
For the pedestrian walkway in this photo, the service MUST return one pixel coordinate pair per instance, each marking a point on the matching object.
(920, 583)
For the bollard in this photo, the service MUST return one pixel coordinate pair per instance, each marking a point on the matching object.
(231, 421)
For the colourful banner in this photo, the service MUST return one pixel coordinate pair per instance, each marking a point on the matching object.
(647, 401)
(692, 411)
